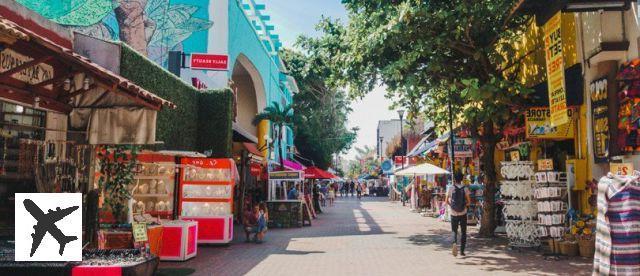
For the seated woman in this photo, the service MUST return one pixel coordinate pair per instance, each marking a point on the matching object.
(250, 223)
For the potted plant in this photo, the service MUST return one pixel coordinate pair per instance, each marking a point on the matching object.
(583, 231)
(117, 165)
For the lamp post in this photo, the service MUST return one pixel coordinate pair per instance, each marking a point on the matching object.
(401, 115)
(380, 146)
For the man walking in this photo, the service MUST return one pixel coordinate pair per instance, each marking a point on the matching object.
(458, 199)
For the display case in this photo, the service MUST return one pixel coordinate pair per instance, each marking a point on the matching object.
(206, 196)
(153, 190)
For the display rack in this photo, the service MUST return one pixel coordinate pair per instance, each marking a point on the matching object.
(520, 208)
(206, 196)
(551, 189)
(153, 191)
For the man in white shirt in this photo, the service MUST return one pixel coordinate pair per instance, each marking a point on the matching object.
(458, 198)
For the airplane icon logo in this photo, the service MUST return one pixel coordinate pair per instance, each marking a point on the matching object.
(48, 227)
(47, 223)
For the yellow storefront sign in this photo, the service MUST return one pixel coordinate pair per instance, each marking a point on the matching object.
(555, 71)
(621, 168)
(538, 123)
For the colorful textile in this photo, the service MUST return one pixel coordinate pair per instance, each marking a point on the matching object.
(618, 228)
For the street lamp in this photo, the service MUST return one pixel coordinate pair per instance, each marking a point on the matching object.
(380, 146)
(401, 115)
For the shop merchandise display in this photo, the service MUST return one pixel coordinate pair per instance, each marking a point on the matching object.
(549, 192)
(206, 197)
(520, 209)
(617, 247)
(153, 188)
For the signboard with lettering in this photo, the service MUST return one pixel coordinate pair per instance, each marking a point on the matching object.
(538, 123)
(255, 169)
(600, 119)
(621, 168)
(209, 62)
(398, 160)
(10, 59)
(286, 175)
(555, 71)
(463, 147)
(139, 232)
(545, 164)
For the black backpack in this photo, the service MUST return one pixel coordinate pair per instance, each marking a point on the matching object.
(458, 199)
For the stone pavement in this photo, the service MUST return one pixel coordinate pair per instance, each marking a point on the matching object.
(369, 237)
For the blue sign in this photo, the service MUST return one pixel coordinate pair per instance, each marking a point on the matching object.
(387, 166)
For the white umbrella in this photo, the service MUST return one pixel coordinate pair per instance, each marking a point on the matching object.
(422, 169)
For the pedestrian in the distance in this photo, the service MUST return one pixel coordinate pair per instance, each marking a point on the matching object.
(359, 190)
(458, 198)
(331, 196)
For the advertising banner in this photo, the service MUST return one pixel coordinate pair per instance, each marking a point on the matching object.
(555, 71)
(463, 147)
(538, 122)
(600, 120)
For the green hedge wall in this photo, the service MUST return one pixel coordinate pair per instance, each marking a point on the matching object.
(201, 122)
(215, 122)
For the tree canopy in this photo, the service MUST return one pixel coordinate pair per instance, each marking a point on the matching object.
(434, 53)
(321, 109)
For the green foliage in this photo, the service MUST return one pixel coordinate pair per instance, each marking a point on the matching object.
(434, 53)
(215, 122)
(72, 12)
(201, 122)
(117, 167)
(321, 110)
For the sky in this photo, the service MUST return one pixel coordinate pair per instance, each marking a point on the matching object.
(291, 20)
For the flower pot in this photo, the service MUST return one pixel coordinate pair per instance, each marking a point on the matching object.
(569, 248)
(587, 248)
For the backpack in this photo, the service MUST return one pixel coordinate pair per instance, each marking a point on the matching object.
(458, 199)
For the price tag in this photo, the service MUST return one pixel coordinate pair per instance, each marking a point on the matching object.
(621, 168)
(545, 165)
(139, 232)
(515, 155)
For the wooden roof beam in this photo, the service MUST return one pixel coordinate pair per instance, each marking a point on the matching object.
(10, 72)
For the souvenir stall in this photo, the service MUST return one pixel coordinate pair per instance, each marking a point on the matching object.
(57, 109)
(283, 212)
(206, 196)
(312, 175)
(154, 195)
(422, 170)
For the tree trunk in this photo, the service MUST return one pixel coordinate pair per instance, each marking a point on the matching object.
(488, 224)
(280, 148)
(130, 16)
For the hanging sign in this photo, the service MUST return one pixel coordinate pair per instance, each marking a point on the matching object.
(255, 169)
(40, 72)
(545, 164)
(139, 232)
(387, 166)
(209, 62)
(463, 147)
(538, 123)
(555, 71)
(600, 120)
(515, 155)
(621, 168)
(398, 160)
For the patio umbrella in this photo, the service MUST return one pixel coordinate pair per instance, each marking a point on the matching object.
(422, 169)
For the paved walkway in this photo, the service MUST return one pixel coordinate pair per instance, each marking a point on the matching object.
(369, 237)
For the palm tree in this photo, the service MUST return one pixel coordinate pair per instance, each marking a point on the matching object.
(279, 118)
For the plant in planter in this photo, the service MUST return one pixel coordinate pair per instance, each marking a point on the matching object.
(117, 169)
(584, 230)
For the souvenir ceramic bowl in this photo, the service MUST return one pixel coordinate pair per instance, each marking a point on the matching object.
(161, 187)
(140, 207)
(143, 188)
(162, 170)
(161, 206)
(150, 205)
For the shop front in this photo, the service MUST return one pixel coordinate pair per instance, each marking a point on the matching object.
(59, 110)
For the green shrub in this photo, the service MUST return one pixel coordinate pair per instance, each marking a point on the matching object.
(201, 122)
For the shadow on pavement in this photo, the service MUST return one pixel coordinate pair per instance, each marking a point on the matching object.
(345, 218)
(490, 254)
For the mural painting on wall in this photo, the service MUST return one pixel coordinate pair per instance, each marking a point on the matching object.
(152, 27)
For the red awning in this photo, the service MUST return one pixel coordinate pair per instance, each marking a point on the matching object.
(252, 149)
(317, 173)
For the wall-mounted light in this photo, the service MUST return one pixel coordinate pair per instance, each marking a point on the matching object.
(67, 85)
(85, 83)
(19, 109)
(597, 5)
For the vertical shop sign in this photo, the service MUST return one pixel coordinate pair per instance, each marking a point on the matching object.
(555, 70)
(463, 147)
(600, 120)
